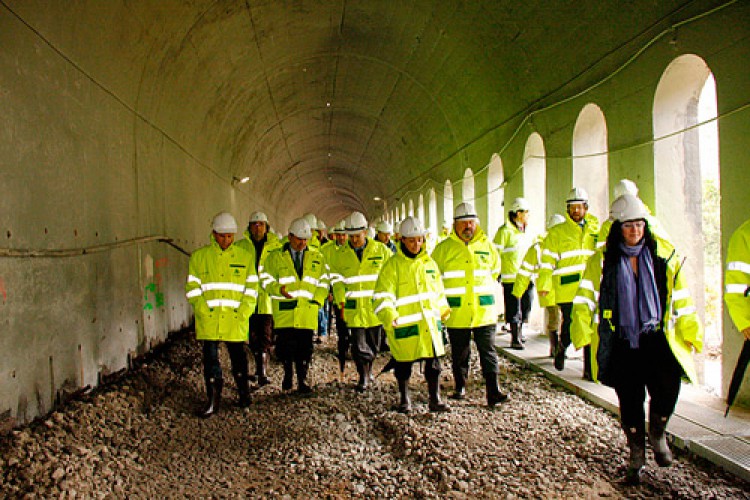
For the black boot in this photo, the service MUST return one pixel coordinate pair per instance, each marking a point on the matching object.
(243, 389)
(404, 405)
(261, 361)
(657, 436)
(515, 333)
(433, 387)
(494, 395)
(552, 343)
(459, 392)
(213, 391)
(302, 366)
(637, 444)
(560, 356)
(286, 384)
(364, 380)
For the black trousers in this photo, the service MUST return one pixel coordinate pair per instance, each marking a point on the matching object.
(653, 368)
(432, 368)
(517, 310)
(293, 344)
(261, 333)
(212, 366)
(484, 338)
(566, 308)
(365, 343)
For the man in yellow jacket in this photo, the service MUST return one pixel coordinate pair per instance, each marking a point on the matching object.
(259, 242)
(567, 248)
(356, 267)
(296, 279)
(470, 266)
(737, 279)
(222, 287)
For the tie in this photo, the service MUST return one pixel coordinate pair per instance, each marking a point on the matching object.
(298, 263)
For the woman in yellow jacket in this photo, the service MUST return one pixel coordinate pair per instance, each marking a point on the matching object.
(410, 301)
(634, 308)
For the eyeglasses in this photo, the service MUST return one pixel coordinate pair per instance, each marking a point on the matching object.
(637, 224)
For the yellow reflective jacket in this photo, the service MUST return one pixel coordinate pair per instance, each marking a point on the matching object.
(529, 272)
(511, 243)
(354, 281)
(737, 277)
(680, 322)
(222, 286)
(272, 243)
(308, 292)
(410, 293)
(469, 273)
(565, 251)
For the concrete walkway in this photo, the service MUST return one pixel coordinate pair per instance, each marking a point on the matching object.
(698, 424)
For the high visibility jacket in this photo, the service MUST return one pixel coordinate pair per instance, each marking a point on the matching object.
(594, 318)
(511, 243)
(272, 243)
(329, 249)
(469, 273)
(410, 293)
(565, 251)
(222, 286)
(529, 272)
(737, 277)
(308, 292)
(354, 281)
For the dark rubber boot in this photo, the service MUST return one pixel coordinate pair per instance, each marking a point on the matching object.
(404, 404)
(560, 356)
(459, 391)
(637, 443)
(552, 343)
(302, 367)
(243, 389)
(657, 436)
(261, 361)
(288, 381)
(515, 334)
(494, 395)
(587, 363)
(213, 392)
(363, 382)
(433, 387)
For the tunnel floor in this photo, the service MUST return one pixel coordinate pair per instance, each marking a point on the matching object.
(138, 437)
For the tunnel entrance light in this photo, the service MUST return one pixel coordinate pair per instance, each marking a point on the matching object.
(237, 180)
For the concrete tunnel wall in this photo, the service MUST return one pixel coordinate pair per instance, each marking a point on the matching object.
(90, 157)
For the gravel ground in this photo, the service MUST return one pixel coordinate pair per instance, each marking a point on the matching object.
(138, 438)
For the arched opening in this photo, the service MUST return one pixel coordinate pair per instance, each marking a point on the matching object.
(420, 209)
(535, 182)
(411, 208)
(467, 187)
(447, 202)
(687, 191)
(432, 211)
(590, 159)
(495, 178)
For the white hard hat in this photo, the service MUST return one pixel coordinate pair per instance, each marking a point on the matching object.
(412, 227)
(397, 227)
(301, 229)
(321, 225)
(465, 211)
(339, 227)
(554, 220)
(520, 204)
(258, 217)
(371, 232)
(625, 186)
(355, 223)
(628, 207)
(577, 195)
(312, 221)
(384, 227)
(223, 223)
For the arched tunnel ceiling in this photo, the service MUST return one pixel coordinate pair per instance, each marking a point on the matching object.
(327, 104)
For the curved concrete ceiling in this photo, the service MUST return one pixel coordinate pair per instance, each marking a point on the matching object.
(326, 105)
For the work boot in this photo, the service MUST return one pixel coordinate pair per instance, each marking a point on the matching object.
(243, 389)
(364, 377)
(515, 334)
(637, 444)
(404, 404)
(587, 363)
(261, 361)
(459, 392)
(494, 395)
(302, 386)
(657, 436)
(521, 336)
(213, 392)
(433, 387)
(560, 356)
(286, 383)
(552, 343)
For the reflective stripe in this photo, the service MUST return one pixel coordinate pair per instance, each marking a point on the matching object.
(234, 287)
(684, 311)
(410, 318)
(680, 294)
(410, 299)
(544, 265)
(509, 249)
(311, 280)
(524, 272)
(587, 285)
(459, 290)
(735, 288)
(251, 292)
(454, 274)
(600, 244)
(358, 294)
(301, 293)
(485, 289)
(252, 278)
(234, 304)
(576, 253)
(583, 300)
(195, 292)
(194, 279)
(507, 276)
(526, 265)
(362, 278)
(286, 280)
(569, 269)
(738, 265)
(384, 295)
(482, 272)
(383, 305)
(550, 253)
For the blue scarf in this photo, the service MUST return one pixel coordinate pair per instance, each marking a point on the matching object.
(637, 296)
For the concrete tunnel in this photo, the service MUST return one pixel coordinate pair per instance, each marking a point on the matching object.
(127, 125)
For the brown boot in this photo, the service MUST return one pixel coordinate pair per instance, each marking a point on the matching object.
(657, 436)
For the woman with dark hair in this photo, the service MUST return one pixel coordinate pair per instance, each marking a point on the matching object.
(633, 307)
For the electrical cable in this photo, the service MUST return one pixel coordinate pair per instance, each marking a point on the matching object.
(73, 252)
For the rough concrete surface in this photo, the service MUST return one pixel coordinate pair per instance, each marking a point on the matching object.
(138, 438)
